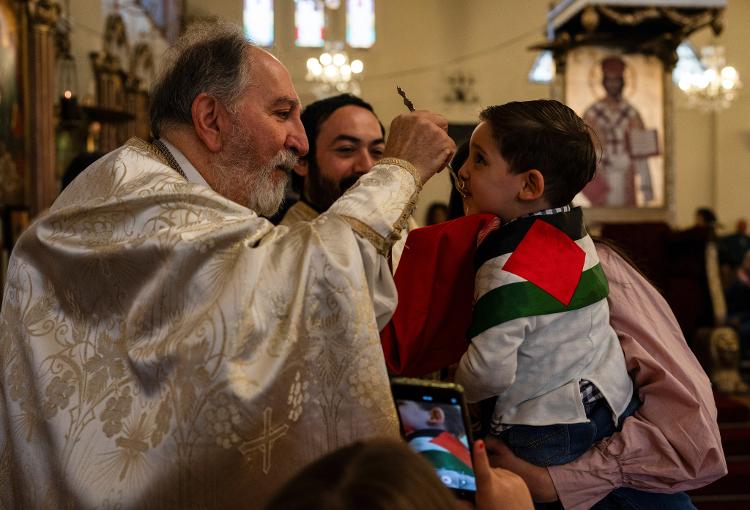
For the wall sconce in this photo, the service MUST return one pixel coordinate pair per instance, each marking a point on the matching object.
(461, 88)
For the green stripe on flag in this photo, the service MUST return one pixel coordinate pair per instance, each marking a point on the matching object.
(524, 299)
(445, 460)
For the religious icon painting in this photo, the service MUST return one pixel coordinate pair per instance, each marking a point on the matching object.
(621, 97)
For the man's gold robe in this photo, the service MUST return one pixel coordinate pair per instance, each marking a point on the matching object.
(300, 211)
(164, 347)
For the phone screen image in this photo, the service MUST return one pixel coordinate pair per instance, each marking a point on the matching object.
(436, 431)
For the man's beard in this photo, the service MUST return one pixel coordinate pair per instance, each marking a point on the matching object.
(321, 191)
(247, 181)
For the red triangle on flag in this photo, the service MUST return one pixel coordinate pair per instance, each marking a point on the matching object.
(451, 443)
(549, 259)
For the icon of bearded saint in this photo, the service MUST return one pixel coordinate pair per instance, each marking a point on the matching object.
(617, 123)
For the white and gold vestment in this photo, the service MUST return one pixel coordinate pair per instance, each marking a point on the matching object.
(301, 211)
(164, 347)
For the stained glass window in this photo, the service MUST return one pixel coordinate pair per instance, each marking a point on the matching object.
(257, 16)
(543, 70)
(360, 23)
(309, 23)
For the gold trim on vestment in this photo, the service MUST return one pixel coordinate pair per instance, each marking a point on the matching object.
(157, 150)
(402, 163)
(381, 244)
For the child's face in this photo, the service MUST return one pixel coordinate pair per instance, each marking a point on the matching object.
(494, 189)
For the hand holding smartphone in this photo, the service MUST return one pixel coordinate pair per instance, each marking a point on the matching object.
(435, 423)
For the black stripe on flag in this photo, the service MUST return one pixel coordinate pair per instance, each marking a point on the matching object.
(508, 237)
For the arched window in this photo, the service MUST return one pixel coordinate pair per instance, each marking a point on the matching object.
(309, 23)
(360, 23)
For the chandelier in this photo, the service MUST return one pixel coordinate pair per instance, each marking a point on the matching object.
(332, 72)
(714, 87)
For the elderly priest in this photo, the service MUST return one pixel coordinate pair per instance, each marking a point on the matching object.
(163, 346)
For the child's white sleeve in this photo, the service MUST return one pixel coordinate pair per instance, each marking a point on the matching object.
(488, 367)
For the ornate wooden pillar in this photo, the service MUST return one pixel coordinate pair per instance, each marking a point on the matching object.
(112, 96)
(41, 16)
(140, 77)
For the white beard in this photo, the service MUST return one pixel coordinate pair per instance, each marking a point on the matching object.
(242, 179)
(268, 192)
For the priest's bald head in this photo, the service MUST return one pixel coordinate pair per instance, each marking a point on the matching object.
(231, 109)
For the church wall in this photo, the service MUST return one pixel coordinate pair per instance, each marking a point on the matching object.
(733, 133)
(693, 180)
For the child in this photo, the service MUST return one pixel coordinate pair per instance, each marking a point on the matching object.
(541, 342)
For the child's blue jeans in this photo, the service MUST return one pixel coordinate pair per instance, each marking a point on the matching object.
(551, 445)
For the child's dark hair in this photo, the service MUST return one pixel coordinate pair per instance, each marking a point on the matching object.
(549, 136)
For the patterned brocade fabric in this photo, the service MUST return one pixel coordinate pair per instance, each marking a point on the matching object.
(163, 347)
(299, 212)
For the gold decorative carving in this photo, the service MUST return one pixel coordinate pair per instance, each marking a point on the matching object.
(589, 19)
(43, 12)
(142, 63)
(687, 22)
(123, 73)
(720, 348)
(630, 18)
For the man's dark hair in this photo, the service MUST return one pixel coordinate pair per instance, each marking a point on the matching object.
(707, 215)
(549, 136)
(210, 57)
(313, 116)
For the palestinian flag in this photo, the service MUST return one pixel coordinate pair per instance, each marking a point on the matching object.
(442, 449)
(537, 265)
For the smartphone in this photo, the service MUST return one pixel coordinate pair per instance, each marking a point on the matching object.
(435, 423)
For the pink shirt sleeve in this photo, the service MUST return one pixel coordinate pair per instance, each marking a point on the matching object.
(672, 442)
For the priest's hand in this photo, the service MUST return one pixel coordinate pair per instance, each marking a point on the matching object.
(537, 478)
(421, 138)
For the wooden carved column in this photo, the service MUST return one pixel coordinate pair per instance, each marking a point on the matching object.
(140, 77)
(41, 18)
